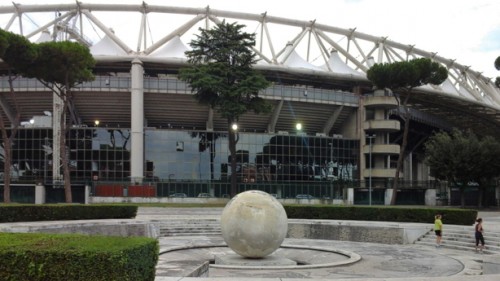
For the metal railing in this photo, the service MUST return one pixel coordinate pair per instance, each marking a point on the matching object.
(175, 86)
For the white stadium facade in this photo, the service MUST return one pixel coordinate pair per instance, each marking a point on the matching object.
(136, 130)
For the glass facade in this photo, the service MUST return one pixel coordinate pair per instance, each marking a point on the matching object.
(284, 164)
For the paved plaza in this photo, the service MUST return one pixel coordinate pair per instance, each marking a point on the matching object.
(378, 261)
(192, 254)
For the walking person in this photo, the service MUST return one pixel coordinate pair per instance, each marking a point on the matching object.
(479, 235)
(438, 229)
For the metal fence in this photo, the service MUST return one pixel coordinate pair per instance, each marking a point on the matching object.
(320, 190)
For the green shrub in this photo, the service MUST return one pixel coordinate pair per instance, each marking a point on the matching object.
(36, 256)
(377, 213)
(16, 213)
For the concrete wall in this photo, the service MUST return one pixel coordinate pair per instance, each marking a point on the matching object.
(356, 231)
(374, 232)
(110, 228)
(96, 199)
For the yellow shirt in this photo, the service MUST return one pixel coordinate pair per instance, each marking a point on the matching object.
(438, 224)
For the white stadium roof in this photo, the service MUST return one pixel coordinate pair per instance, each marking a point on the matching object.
(159, 34)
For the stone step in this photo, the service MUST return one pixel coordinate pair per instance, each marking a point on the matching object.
(462, 238)
(190, 234)
(190, 228)
(468, 243)
(491, 238)
(456, 247)
(457, 236)
(490, 235)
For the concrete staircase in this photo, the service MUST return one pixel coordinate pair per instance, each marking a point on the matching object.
(190, 227)
(462, 238)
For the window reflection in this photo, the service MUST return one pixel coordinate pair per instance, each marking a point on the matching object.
(104, 154)
(260, 157)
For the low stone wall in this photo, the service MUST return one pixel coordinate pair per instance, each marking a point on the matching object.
(356, 231)
(375, 232)
(187, 200)
(110, 228)
(203, 200)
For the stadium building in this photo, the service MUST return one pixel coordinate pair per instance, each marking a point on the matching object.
(136, 130)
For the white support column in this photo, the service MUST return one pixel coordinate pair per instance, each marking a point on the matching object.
(39, 194)
(430, 197)
(350, 196)
(87, 194)
(137, 129)
(388, 196)
(380, 52)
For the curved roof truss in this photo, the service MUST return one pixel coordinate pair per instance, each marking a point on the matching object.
(279, 41)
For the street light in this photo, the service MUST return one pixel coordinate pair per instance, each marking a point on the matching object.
(370, 137)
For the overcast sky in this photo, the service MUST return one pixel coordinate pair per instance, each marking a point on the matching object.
(465, 30)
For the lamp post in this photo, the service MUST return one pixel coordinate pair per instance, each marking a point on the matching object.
(370, 137)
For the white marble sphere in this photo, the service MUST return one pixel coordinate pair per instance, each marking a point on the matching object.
(254, 224)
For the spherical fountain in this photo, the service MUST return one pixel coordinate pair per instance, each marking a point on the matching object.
(257, 241)
(253, 225)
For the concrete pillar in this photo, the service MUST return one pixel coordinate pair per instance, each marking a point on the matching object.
(39, 194)
(211, 190)
(350, 196)
(279, 192)
(137, 121)
(430, 197)
(87, 194)
(388, 196)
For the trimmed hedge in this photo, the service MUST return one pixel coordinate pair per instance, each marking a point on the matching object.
(36, 256)
(377, 213)
(17, 213)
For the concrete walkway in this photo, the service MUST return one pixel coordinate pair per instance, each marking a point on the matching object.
(408, 262)
(379, 261)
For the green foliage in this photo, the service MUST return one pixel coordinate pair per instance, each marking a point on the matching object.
(16, 213)
(462, 157)
(420, 215)
(18, 52)
(221, 74)
(497, 66)
(36, 256)
(407, 74)
(66, 63)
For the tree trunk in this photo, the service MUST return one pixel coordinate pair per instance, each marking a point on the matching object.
(64, 155)
(462, 196)
(6, 168)
(7, 142)
(480, 196)
(402, 149)
(232, 150)
(65, 164)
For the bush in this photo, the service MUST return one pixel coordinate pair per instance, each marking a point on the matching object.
(36, 256)
(395, 214)
(17, 213)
